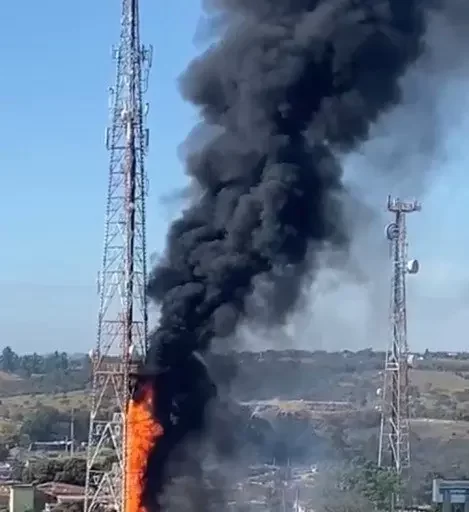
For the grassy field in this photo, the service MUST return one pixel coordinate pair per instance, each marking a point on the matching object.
(9, 377)
(440, 392)
(61, 401)
(426, 380)
(444, 430)
(429, 383)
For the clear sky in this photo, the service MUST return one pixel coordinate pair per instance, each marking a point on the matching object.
(56, 70)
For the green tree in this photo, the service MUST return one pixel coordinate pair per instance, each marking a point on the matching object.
(361, 486)
(68, 471)
(45, 424)
(72, 472)
(41, 471)
(8, 360)
(8, 433)
(378, 485)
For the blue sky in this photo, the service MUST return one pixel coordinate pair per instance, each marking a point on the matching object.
(57, 67)
(56, 70)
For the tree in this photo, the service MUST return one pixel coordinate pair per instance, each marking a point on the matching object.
(45, 424)
(359, 487)
(8, 433)
(8, 360)
(73, 472)
(68, 471)
(333, 495)
(41, 471)
(378, 485)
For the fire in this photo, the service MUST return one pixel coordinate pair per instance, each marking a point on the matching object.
(143, 432)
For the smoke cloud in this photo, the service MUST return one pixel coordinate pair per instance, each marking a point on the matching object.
(289, 86)
(415, 150)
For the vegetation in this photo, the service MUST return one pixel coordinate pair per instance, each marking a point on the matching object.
(322, 407)
(34, 373)
(439, 385)
(360, 486)
(33, 364)
(67, 470)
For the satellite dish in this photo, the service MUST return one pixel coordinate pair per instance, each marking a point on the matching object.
(91, 354)
(391, 231)
(132, 351)
(413, 266)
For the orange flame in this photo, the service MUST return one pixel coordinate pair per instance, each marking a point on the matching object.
(143, 432)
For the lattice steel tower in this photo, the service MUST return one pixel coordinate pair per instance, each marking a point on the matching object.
(394, 443)
(122, 330)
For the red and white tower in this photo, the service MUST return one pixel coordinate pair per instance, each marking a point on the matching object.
(122, 329)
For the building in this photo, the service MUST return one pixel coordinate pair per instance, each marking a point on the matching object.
(18, 497)
(59, 493)
(51, 446)
(22, 498)
(451, 494)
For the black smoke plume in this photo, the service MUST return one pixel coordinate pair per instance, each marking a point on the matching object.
(289, 84)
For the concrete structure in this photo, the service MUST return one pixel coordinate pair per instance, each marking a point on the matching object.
(18, 497)
(450, 493)
(5, 493)
(22, 498)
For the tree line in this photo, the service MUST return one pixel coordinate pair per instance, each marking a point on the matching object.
(36, 364)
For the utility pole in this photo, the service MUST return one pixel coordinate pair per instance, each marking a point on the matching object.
(122, 329)
(72, 433)
(394, 443)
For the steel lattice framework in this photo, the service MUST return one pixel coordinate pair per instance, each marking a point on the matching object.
(122, 329)
(394, 443)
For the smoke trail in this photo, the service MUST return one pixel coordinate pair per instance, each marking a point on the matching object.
(290, 83)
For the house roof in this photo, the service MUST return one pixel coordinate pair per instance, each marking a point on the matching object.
(60, 489)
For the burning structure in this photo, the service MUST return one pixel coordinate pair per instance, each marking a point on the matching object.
(142, 434)
(288, 86)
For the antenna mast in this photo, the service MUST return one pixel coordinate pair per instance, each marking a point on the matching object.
(122, 330)
(394, 444)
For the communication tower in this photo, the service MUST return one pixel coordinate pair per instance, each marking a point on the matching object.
(394, 443)
(122, 329)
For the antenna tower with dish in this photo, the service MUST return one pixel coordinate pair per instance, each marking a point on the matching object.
(122, 330)
(394, 442)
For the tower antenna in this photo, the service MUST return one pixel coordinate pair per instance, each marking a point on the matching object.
(122, 329)
(394, 443)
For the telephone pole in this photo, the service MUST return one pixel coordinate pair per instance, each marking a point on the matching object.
(394, 443)
(72, 433)
(122, 329)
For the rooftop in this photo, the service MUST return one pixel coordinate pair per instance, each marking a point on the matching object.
(60, 489)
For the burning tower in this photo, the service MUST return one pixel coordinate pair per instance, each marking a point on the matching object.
(394, 445)
(122, 329)
(287, 86)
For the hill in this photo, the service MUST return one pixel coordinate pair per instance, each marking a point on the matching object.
(439, 385)
(290, 404)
